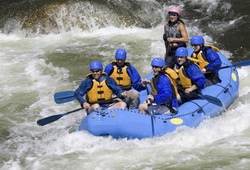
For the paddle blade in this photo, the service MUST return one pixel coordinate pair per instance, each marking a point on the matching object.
(212, 99)
(49, 119)
(63, 97)
(53, 118)
(242, 63)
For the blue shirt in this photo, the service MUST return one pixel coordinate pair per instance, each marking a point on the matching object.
(164, 92)
(197, 77)
(213, 59)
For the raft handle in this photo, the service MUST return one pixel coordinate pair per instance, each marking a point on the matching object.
(104, 134)
(226, 90)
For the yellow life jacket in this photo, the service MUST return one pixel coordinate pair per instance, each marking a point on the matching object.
(216, 49)
(121, 76)
(98, 92)
(172, 75)
(200, 59)
(183, 80)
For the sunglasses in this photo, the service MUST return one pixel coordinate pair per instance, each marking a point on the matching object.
(95, 71)
(173, 14)
(195, 44)
(156, 67)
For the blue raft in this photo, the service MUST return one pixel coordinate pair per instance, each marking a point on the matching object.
(132, 124)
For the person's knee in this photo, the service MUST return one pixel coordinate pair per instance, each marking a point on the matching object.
(123, 105)
(140, 107)
(95, 106)
(179, 98)
(133, 94)
(133, 99)
(143, 108)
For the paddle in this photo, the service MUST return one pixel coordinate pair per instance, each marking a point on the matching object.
(238, 64)
(53, 118)
(129, 84)
(63, 97)
(151, 111)
(211, 99)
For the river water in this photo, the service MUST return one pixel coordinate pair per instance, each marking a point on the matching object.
(46, 47)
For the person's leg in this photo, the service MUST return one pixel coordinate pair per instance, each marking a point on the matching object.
(143, 108)
(179, 98)
(212, 78)
(209, 81)
(161, 109)
(215, 78)
(118, 105)
(181, 94)
(132, 99)
(190, 96)
(170, 61)
(92, 108)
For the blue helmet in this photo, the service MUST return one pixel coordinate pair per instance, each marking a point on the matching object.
(121, 54)
(158, 62)
(197, 40)
(95, 65)
(181, 52)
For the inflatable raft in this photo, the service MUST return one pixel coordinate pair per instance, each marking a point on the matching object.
(132, 124)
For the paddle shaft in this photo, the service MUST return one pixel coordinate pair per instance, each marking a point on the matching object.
(238, 64)
(68, 96)
(72, 111)
(152, 114)
(53, 118)
(129, 85)
(220, 68)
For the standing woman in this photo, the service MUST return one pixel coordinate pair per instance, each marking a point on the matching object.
(175, 35)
